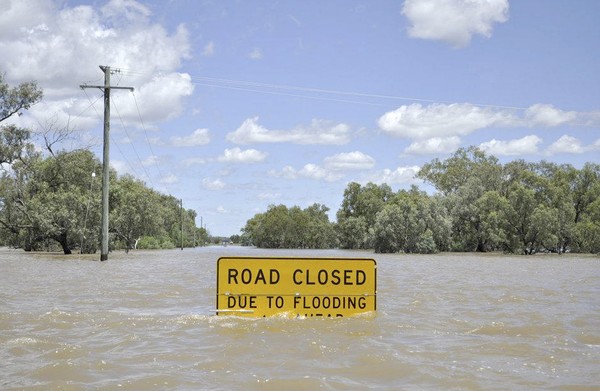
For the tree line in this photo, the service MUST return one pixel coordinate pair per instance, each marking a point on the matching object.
(479, 205)
(50, 199)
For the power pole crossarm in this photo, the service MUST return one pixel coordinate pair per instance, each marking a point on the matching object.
(106, 155)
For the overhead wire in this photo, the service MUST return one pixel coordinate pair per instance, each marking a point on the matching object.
(162, 179)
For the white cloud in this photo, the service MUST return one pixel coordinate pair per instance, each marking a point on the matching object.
(333, 168)
(150, 161)
(311, 171)
(209, 49)
(438, 128)
(548, 115)
(454, 21)
(434, 145)
(440, 120)
(213, 184)
(169, 179)
(256, 54)
(314, 171)
(62, 47)
(236, 155)
(401, 175)
(566, 144)
(318, 132)
(198, 137)
(527, 145)
(349, 161)
(222, 210)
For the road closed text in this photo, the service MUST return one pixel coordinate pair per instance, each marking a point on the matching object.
(299, 277)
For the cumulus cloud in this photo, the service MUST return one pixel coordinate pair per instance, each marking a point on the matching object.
(333, 168)
(310, 170)
(349, 161)
(399, 176)
(454, 21)
(548, 115)
(62, 47)
(438, 128)
(198, 137)
(566, 144)
(213, 184)
(440, 120)
(169, 179)
(524, 146)
(318, 132)
(433, 145)
(150, 161)
(236, 155)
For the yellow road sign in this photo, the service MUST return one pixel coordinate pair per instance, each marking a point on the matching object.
(328, 287)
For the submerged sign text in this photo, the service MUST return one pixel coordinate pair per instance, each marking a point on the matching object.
(327, 287)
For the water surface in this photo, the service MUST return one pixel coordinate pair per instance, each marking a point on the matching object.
(145, 320)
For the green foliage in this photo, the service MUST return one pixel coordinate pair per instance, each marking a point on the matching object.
(283, 227)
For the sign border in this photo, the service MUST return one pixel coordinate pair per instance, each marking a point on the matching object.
(284, 258)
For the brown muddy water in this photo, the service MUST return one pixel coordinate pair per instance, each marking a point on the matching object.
(145, 321)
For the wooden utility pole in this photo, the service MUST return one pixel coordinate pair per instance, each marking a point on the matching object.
(181, 200)
(106, 156)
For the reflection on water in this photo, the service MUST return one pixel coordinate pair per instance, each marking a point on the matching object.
(145, 320)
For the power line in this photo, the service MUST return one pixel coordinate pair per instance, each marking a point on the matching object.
(163, 181)
(270, 88)
(132, 144)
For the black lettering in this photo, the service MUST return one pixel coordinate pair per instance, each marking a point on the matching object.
(260, 276)
(361, 277)
(232, 275)
(362, 302)
(294, 277)
(308, 281)
(230, 301)
(274, 276)
(296, 301)
(246, 276)
(252, 303)
(335, 277)
(316, 302)
(270, 298)
(351, 303)
(323, 277)
(279, 302)
(347, 277)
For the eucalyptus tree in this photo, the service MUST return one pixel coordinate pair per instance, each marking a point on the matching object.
(357, 214)
(15, 140)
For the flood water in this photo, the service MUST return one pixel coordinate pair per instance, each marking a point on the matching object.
(145, 320)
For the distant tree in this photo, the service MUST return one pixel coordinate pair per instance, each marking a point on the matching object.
(283, 227)
(357, 214)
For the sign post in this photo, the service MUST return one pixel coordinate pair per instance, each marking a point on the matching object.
(305, 287)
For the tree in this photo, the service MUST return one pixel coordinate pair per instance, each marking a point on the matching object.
(358, 212)
(14, 140)
(283, 227)
(449, 175)
(133, 213)
(50, 199)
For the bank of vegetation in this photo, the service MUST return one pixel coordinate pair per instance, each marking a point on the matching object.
(51, 200)
(479, 205)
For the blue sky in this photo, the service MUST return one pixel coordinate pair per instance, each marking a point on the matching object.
(242, 104)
